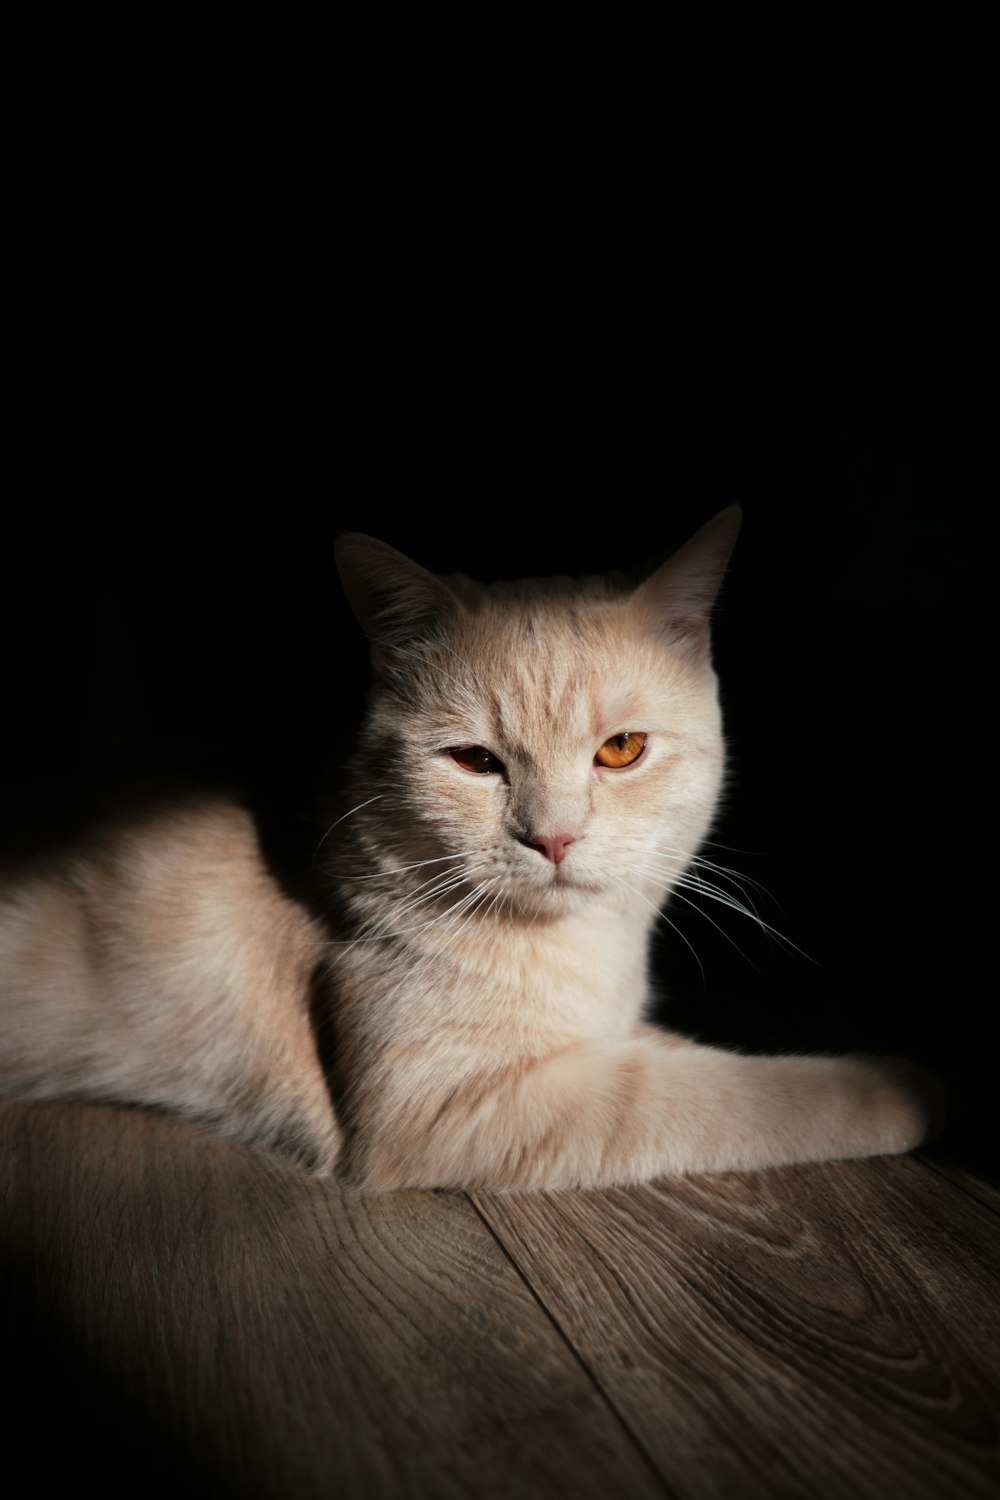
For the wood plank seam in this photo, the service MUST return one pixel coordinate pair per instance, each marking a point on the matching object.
(577, 1355)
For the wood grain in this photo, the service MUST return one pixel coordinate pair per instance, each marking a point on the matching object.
(189, 1317)
(823, 1330)
(986, 1190)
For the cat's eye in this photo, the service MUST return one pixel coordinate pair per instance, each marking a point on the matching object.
(621, 750)
(476, 758)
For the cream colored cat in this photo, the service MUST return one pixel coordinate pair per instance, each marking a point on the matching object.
(539, 764)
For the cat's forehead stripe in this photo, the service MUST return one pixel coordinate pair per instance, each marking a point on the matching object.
(542, 679)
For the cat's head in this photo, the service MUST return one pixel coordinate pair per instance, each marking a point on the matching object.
(549, 740)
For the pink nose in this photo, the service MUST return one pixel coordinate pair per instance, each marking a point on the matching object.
(552, 845)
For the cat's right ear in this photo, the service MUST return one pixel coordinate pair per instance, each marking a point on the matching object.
(679, 596)
(395, 600)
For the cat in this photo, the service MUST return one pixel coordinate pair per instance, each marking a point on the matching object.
(538, 766)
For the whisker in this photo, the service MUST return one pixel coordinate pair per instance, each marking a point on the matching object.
(453, 885)
(731, 848)
(472, 912)
(704, 887)
(344, 816)
(460, 907)
(416, 865)
(441, 884)
(737, 877)
(723, 872)
(621, 881)
(436, 954)
(715, 924)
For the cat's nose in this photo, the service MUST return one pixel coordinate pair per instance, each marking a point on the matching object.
(552, 845)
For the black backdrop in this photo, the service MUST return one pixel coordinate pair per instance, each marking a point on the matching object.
(534, 303)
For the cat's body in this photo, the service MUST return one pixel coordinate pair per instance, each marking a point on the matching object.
(539, 765)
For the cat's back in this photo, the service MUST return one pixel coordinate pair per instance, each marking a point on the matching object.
(158, 959)
(136, 880)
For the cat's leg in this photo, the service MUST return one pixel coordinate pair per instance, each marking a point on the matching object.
(623, 1111)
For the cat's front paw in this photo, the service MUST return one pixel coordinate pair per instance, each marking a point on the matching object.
(908, 1102)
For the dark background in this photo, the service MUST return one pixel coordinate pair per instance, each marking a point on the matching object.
(535, 303)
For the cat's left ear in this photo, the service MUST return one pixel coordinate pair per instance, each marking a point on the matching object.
(679, 596)
(396, 601)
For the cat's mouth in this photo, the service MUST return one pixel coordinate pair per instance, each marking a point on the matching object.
(563, 881)
(560, 886)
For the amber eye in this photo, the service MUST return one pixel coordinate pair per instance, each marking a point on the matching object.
(475, 758)
(621, 749)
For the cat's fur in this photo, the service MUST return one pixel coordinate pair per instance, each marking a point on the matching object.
(477, 1001)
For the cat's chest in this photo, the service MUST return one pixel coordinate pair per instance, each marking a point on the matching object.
(528, 988)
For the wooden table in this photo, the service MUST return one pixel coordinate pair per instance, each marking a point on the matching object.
(183, 1316)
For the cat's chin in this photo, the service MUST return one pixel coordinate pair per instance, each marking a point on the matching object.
(558, 898)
